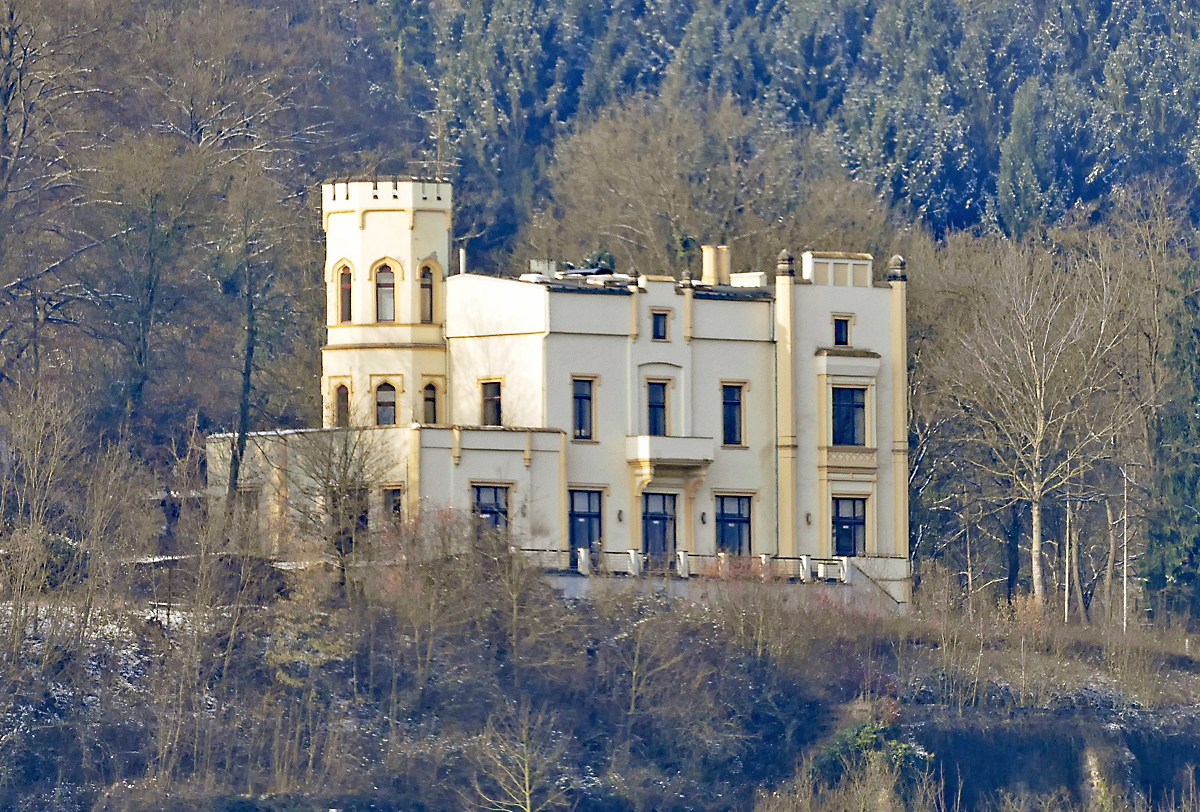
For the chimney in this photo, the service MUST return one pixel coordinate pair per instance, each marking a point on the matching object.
(710, 272)
(722, 264)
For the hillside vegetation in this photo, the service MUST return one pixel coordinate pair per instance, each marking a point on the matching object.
(161, 279)
(437, 672)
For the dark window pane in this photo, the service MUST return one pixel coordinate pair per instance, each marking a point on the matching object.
(659, 326)
(849, 416)
(491, 505)
(585, 526)
(841, 332)
(342, 408)
(430, 404)
(346, 297)
(491, 404)
(426, 296)
(657, 397)
(583, 409)
(732, 414)
(385, 405)
(393, 505)
(849, 526)
(733, 524)
(658, 529)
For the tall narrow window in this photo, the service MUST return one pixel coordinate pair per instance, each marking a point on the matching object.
(430, 404)
(491, 404)
(393, 505)
(385, 294)
(346, 289)
(583, 409)
(849, 416)
(733, 525)
(341, 417)
(656, 394)
(426, 296)
(385, 405)
(731, 413)
(584, 523)
(658, 529)
(849, 526)
(491, 506)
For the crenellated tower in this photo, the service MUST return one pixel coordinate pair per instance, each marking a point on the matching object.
(387, 248)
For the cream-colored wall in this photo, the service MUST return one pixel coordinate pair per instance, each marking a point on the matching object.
(406, 225)
(814, 309)
(526, 462)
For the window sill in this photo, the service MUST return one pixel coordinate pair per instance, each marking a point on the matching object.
(735, 447)
(585, 442)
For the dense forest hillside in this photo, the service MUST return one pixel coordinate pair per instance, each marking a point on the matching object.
(161, 279)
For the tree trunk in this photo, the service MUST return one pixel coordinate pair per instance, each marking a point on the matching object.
(1035, 553)
(1076, 585)
(243, 426)
(1013, 549)
(1111, 565)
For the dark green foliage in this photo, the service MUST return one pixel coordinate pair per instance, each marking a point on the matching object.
(1173, 553)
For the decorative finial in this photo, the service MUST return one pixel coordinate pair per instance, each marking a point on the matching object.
(896, 269)
(785, 265)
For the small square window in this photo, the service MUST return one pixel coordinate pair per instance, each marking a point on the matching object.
(841, 332)
(658, 326)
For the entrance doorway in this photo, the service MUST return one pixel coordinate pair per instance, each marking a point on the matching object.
(658, 530)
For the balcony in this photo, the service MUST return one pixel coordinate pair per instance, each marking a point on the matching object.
(669, 451)
(848, 457)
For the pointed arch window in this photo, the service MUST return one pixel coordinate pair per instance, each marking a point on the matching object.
(431, 404)
(342, 408)
(385, 405)
(426, 295)
(385, 294)
(345, 297)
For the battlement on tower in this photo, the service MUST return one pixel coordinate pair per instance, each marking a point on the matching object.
(362, 196)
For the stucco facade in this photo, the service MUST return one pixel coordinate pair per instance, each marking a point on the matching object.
(623, 422)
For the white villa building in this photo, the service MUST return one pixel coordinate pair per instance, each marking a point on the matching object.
(613, 424)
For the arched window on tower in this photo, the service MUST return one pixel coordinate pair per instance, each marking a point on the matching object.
(385, 294)
(341, 417)
(385, 405)
(430, 404)
(426, 295)
(345, 299)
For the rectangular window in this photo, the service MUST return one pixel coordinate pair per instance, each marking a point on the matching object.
(658, 326)
(733, 525)
(491, 404)
(731, 410)
(849, 416)
(585, 522)
(385, 294)
(582, 390)
(841, 332)
(491, 506)
(657, 408)
(393, 505)
(658, 529)
(849, 526)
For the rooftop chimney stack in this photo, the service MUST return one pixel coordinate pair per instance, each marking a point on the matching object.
(709, 274)
(722, 264)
